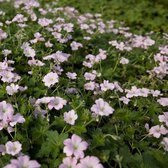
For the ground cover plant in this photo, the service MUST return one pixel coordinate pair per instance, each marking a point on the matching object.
(79, 89)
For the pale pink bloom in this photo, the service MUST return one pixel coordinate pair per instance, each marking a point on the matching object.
(117, 87)
(50, 79)
(134, 92)
(23, 162)
(165, 143)
(163, 101)
(13, 148)
(71, 75)
(164, 118)
(57, 103)
(5, 108)
(6, 52)
(157, 131)
(3, 35)
(101, 56)
(58, 57)
(45, 22)
(70, 117)
(90, 85)
(106, 85)
(125, 100)
(124, 60)
(48, 44)
(35, 62)
(12, 89)
(28, 50)
(75, 45)
(102, 108)
(156, 93)
(89, 162)
(69, 162)
(58, 69)
(89, 76)
(43, 100)
(19, 18)
(8, 76)
(144, 92)
(75, 146)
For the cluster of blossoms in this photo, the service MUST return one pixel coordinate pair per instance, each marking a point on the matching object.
(74, 149)
(92, 59)
(7, 117)
(158, 130)
(134, 41)
(54, 35)
(56, 103)
(6, 72)
(14, 88)
(162, 58)
(141, 92)
(30, 53)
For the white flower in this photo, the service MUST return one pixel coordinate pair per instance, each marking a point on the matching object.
(11, 89)
(13, 148)
(70, 117)
(57, 103)
(163, 101)
(50, 79)
(124, 61)
(71, 75)
(102, 108)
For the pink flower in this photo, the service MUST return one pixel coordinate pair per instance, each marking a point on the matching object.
(23, 161)
(134, 92)
(44, 22)
(90, 85)
(165, 143)
(124, 61)
(50, 79)
(12, 89)
(71, 75)
(164, 118)
(102, 108)
(13, 148)
(163, 101)
(75, 146)
(57, 103)
(157, 131)
(106, 85)
(124, 100)
(89, 162)
(75, 45)
(89, 76)
(70, 117)
(69, 162)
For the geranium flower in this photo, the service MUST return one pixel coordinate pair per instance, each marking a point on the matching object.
(69, 162)
(50, 79)
(57, 103)
(89, 162)
(70, 117)
(13, 148)
(75, 146)
(102, 108)
(23, 161)
(157, 131)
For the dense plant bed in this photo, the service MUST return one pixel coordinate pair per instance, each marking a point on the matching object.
(78, 91)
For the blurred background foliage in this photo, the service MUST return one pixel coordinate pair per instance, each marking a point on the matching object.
(144, 15)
